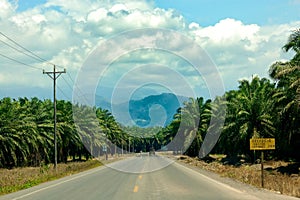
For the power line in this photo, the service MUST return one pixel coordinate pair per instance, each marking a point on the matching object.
(59, 66)
(31, 66)
(38, 58)
(13, 41)
(62, 92)
(20, 51)
(17, 61)
(70, 77)
(67, 83)
(80, 91)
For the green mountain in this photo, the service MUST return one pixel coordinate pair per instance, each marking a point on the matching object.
(153, 110)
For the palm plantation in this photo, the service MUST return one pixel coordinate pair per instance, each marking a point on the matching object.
(258, 108)
(248, 115)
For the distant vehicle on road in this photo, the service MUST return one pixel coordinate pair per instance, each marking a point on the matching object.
(152, 151)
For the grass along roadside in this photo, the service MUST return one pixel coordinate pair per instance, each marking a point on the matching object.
(16, 179)
(277, 175)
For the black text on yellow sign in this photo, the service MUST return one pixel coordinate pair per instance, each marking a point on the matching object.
(262, 143)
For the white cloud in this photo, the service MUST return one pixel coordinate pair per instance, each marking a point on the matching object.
(118, 7)
(228, 32)
(6, 9)
(240, 50)
(97, 15)
(65, 32)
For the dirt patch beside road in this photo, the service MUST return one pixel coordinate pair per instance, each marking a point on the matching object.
(279, 176)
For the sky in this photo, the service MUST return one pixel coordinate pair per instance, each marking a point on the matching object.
(120, 49)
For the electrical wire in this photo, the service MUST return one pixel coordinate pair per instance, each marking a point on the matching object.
(20, 62)
(62, 92)
(67, 82)
(20, 51)
(31, 55)
(70, 77)
(36, 56)
(75, 86)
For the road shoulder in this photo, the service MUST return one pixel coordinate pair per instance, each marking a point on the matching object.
(257, 192)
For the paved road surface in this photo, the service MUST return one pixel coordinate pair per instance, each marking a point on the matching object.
(166, 182)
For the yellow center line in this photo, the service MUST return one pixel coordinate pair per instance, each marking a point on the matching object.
(136, 189)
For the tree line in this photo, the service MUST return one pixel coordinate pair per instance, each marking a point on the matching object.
(27, 136)
(260, 107)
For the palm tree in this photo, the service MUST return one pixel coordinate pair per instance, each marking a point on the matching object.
(190, 125)
(35, 114)
(88, 129)
(105, 121)
(18, 134)
(201, 123)
(68, 140)
(294, 44)
(249, 114)
(287, 76)
(217, 118)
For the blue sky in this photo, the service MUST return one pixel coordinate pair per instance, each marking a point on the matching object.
(242, 38)
(209, 12)
(24, 5)
(262, 12)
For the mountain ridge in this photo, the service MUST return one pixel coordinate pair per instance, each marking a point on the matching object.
(152, 110)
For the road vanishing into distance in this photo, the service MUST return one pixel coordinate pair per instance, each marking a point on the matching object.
(139, 178)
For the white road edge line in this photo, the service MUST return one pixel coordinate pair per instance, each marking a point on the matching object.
(212, 180)
(59, 183)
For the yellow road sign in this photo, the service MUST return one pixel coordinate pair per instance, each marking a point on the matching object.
(262, 143)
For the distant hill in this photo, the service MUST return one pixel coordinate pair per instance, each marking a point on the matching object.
(153, 110)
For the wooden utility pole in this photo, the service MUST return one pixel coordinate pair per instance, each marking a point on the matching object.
(54, 75)
(262, 168)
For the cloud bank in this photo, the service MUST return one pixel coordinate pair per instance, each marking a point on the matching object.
(66, 32)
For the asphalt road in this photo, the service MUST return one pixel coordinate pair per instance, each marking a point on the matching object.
(138, 178)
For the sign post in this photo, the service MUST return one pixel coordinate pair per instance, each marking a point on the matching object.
(104, 148)
(262, 168)
(262, 144)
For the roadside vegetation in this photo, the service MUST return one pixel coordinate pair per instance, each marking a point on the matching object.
(21, 178)
(259, 107)
(279, 176)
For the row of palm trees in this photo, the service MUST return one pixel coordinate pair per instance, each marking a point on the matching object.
(258, 108)
(24, 128)
(26, 132)
(27, 135)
